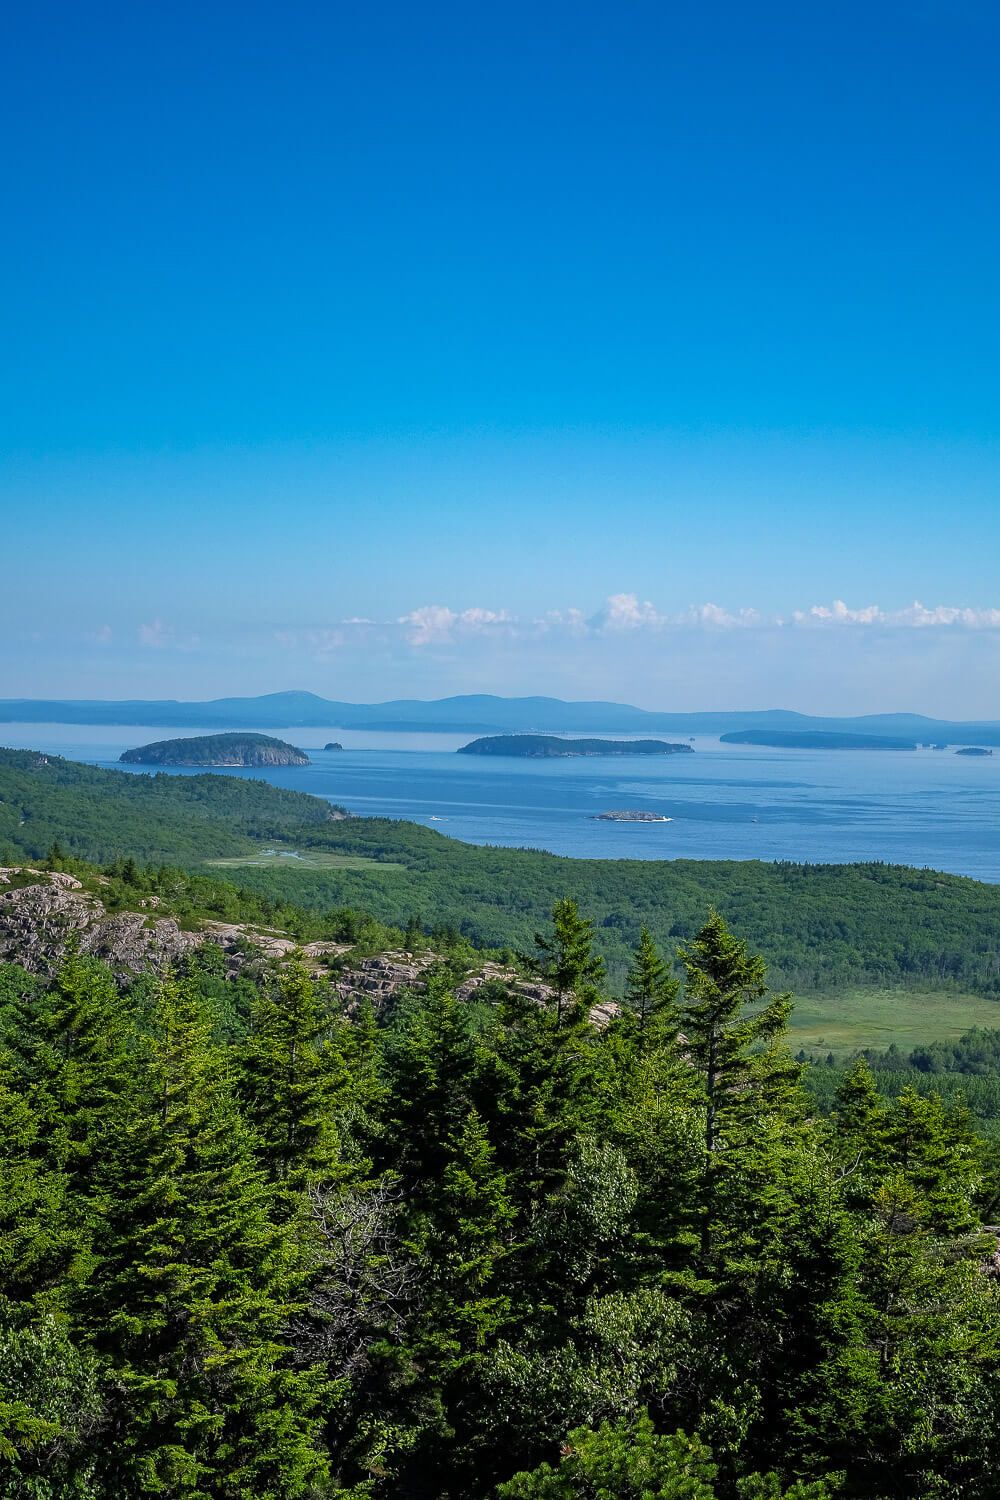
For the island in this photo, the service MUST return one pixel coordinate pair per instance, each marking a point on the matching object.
(333, 745)
(973, 750)
(549, 747)
(256, 750)
(631, 815)
(788, 739)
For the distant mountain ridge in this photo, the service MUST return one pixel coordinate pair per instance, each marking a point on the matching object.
(474, 713)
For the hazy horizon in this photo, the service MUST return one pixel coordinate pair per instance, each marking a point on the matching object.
(678, 709)
(646, 355)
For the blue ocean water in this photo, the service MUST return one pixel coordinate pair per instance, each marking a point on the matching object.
(925, 808)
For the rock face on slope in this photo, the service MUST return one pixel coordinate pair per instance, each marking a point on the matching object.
(42, 911)
(256, 750)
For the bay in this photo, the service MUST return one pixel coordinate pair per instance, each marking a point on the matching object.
(924, 808)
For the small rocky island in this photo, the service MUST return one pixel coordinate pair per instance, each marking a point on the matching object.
(973, 750)
(255, 750)
(551, 747)
(631, 815)
(333, 745)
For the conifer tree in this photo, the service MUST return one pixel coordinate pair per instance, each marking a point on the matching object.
(78, 1058)
(651, 991)
(569, 963)
(858, 1114)
(747, 1085)
(42, 1229)
(290, 1077)
(194, 1284)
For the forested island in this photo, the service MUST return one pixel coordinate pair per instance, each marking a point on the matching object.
(973, 750)
(549, 747)
(786, 739)
(257, 750)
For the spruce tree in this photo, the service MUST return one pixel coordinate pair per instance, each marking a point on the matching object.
(568, 962)
(78, 1057)
(290, 1077)
(731, 1026)
(651, 991)
(194, 1281)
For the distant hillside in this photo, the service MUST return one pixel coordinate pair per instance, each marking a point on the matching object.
(476, 713)
(254, 750)
(100, 815)
(825, 927)
(549, 747)
(813, 740)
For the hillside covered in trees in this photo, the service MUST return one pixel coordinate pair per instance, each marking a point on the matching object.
(822, 926)
(257, 1244)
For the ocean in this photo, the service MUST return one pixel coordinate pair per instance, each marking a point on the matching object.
(925, 807)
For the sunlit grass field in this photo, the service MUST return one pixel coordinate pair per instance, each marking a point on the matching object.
(855, 1018)
(311, 859)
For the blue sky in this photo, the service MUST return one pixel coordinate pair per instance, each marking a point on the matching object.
(376, 349)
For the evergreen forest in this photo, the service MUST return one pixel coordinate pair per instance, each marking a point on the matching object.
(258, 1242)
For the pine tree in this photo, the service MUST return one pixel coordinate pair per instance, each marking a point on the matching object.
(194, 1283)
(454, 1219)
(858, 1109)
(43, 1229)
(629, 1461)
(568, 962)
(77, 1059)
(290, 1078)
(651, 992)
(731, 1028)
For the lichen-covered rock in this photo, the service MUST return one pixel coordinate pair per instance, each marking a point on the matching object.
(384, 977)
(42, 911)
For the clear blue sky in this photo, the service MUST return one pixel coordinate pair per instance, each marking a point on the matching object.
(463, 320)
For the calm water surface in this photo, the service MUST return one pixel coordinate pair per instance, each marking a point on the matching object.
(926, 807)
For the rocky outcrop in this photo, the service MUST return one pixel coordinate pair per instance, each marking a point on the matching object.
(42, 912)
(38, 920)
(384, 978)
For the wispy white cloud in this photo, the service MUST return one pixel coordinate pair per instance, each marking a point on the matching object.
(913, 616)
(622, 615)
(624, 612)
(713, 616)
(157, 636)
(436, 624)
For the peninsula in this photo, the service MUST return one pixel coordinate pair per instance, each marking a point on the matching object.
(549, 747)
(785, 739)
(256, 750)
